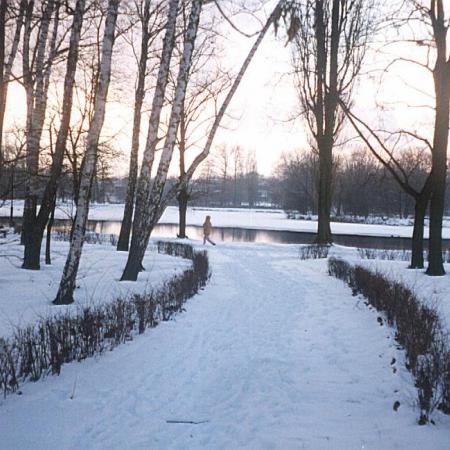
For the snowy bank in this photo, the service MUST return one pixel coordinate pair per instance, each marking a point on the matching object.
(240, 218)
(27, 295)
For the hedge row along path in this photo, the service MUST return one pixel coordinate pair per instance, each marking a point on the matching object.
(274, 353)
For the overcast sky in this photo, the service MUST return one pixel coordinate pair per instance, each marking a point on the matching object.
(267, 99)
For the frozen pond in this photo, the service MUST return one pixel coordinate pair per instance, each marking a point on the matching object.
(238, 234)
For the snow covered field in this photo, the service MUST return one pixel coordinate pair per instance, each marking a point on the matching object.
(241, 218)
(26, 295)
(274, 354)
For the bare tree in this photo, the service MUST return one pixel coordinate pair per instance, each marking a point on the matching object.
(184, 180)
(297, 175)
(329, 40)
(33, 244)
(148, 200)
(251, 178)
(434, 187)
(435, 14)
(385, 154)
(67, 284)
(37, 62)
(222, 159)
(205, 85)
(150, 28)
(7, 11)
(153, 204)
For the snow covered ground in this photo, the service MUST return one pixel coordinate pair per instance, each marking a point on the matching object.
(241, 218)
(273, 354)
(26, 295)
(434, 291)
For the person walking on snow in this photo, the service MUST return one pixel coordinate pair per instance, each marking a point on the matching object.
(207, 226)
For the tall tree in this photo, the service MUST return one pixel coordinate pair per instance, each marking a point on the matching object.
(37, 61)
(432, 14)
(67, 284)
(421, 195)
(149, 30)
(32, 249)
(441, 76)
(205, 85)
(329, 40)
(148, 200)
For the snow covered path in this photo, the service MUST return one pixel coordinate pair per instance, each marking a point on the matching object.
(274, 354)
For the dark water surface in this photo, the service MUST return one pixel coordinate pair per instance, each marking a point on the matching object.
(250, 235)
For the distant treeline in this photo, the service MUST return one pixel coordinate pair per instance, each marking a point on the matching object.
(362, 187)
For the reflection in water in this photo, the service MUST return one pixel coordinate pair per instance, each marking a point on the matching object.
(249, 235)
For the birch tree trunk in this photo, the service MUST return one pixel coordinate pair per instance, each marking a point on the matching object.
(68, 280)
(183, 195)
(32, 251)
(125, 229)
(51, 221)
(143, 189)
(35, 77)
(7, 63)
(148, 207)
(3, 11)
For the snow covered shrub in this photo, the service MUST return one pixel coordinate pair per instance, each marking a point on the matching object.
(175, 249)
(91, 237)
(394, 255)
(419, 331)
(315, 251)
(340, 269)
(425, 388)
(387, 255)
(42, 348)
(8, 375)
(444, 405)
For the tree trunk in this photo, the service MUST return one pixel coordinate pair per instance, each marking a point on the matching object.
(3, 10)
(325, 141)
(31, 258)
(11, 208)
(147, 207)
(125, 229)
(36, 90)
(441, 74)
(7, 63)
(143, 191)
(68, 280)
(417, 261)
(182, 198)
(51, 221)
(324, 204)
